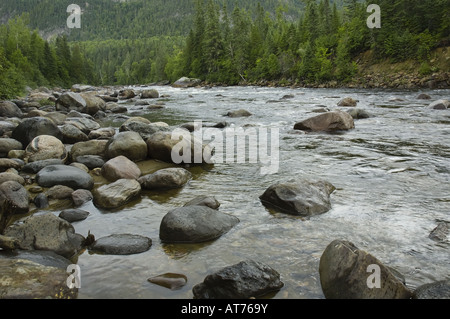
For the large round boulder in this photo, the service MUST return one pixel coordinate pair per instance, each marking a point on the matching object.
(245, 280)
(128, 144)
(300, 198)
(70, 101)
(347, 272)
(64, 175)
(45, 147)
(9, 109)
(195, 224)
(120, 167)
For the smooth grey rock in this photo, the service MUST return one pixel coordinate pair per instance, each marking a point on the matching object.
(121, 244)
(168, 178)
(64, 175)
(117, 194)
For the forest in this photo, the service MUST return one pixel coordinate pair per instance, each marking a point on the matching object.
(226, 42)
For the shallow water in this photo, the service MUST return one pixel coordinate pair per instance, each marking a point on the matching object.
(392, 174)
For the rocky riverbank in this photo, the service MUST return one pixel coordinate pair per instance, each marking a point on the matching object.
(56, 148)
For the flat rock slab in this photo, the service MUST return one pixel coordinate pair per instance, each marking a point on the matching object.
(244, 280)
(169, 280)
(121, 244)
(195, 224)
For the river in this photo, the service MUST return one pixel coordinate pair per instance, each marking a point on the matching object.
(392, 174)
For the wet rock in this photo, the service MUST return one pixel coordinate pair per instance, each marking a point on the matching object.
(328, 122)
(73, 215)
(120, 167)
(117, 194)
(72, 134)
(17, 196)
(34, 275)
(434, 290)
(47, 232)
(168, 178)
(81, 196)
(209, 201)
(64, 175)
(9, 144)
(358, 114)
(92, 147)
(145, 130)
(127, 94)
(35, 167)
(344, 274)
(245, 280)
(41, 201)
(10, 109)
(102, 133)
(440, 233)
(300, 198)
(91, 161)
(150, 94)
(6, 177)
(195, 224)
(31, 128)
(128, 144)
(239, 113)
(348, 101)
(160, 147)
(440, 105)
(423, 96)
(169, 280)
(185, 82)
(70, 101)
(59, 192)
(45, 147)
(121, 244)
(93, 103)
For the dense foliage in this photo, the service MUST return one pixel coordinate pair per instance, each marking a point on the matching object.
(227, 41)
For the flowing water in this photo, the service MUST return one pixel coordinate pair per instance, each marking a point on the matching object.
(392, 174)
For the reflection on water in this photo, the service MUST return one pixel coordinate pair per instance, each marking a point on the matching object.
(391, 173)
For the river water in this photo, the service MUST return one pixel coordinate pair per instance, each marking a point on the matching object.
(392, 174)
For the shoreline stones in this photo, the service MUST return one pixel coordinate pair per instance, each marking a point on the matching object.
(121, 244)
(64, 175)
(245, 280)
(168, 178)
(117, 194)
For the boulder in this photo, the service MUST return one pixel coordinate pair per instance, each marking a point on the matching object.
(72, 134)
(59, 192)
(16, 196)
(300, 198)
(91, 161)
(9, 144)
(169, 280)
(45, 147)
(185, 82)
(347, 101)
(245, 280)
(92, 147)
(160, 146)
(209, 201)
(358, 114)
(7, 163)
(30, 128)
(7, 176)
(145, 130)
(10, 109)
(121, 244)
(117, 194)
(328, 122)
(73, 215)
(7, 127)
(195, 224)
(168, 178)
(440, 233)
(239, 113)
(84, 124)
(120, 167)
(150, 94)
(128, 144)
(57, 117)
(102, 133)
(127, 94)
(35, 167)
(70, 101)
(47, 232)
(64, 175)
(440, 105)
(35, 275)
(423, 96)
(93, 103)
(434, 290)
(346, 273)
(81, 196)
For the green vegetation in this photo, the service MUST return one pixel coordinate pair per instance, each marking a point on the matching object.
(227, 41)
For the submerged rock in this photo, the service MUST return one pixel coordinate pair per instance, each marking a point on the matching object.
(302, 198)
(209, 201)
(245, 280)
(195, 224)
(440, 105)
(345, 273)
(169, 280)
(348, 101)
(121, 244)
(239, 113)
(327, 122)
(168, 178)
